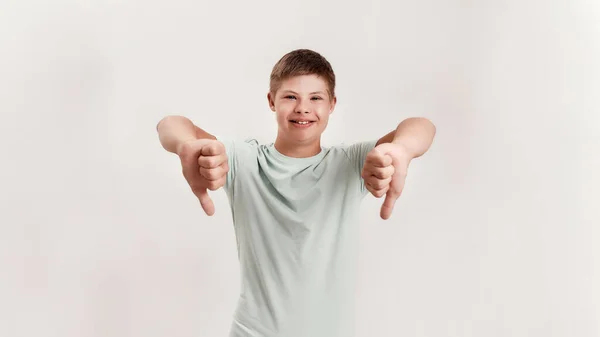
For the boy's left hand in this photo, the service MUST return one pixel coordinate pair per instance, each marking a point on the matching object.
(384, 173)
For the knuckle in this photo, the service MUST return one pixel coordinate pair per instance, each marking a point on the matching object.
(206, 162)
(222, 171)
(209, 175)
(220, 147)
(215, 175)
(212, 162)
(206, 173)
(212, 148)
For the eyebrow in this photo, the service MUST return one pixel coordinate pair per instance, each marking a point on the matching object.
(312, 93)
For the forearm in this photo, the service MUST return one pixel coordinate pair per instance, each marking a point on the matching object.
(415, 134)
(174, 131)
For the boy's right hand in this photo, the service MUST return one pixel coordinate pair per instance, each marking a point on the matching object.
(205, 166)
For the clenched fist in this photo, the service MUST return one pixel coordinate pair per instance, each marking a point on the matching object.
(205, 167)
(384, 173)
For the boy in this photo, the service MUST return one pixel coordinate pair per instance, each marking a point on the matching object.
(294, 202)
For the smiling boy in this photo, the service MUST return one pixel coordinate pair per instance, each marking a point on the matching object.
(295, 202)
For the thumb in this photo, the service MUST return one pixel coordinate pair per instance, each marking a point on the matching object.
(205, 201)
(388, 204)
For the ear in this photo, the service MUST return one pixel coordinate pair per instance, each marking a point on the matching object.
(271, 101)
(333, 103)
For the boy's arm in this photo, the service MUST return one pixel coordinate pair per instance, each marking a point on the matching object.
(174, 131)
(204, 160)
(386, 166)
(414, 134)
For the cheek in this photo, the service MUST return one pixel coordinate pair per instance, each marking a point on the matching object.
(283, 108)
(323, 112)
(282, 116)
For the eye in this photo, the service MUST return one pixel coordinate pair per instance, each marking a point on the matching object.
(289, 97)
(317, 98)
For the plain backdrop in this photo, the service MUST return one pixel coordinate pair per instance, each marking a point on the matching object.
(497, 232)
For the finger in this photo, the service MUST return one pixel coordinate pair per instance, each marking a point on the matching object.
(378, 159)
(213, 173)
(378, 183)
(392, 195)
(380, 172)
(388, 204)
(372, 191)
(365, 173)
(213, 149)
(216, 184)
(205, 201)
(386, 148)
(377, 193)
(212, 161)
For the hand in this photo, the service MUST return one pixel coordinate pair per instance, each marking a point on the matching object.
(385, 172)
(205, 167)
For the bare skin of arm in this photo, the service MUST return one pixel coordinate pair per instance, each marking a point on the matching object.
(415, 134)
(386, 166)
(174, 131)
(203, 157)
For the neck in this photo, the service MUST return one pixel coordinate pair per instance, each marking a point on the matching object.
(297, 149)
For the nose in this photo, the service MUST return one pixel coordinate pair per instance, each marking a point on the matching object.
(302, 107)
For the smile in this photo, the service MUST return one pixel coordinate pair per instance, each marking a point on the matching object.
(301, 124)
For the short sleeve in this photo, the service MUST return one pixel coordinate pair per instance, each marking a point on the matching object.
(357, 153)
(238, 153)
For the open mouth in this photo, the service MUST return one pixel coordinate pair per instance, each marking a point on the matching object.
(302, 122)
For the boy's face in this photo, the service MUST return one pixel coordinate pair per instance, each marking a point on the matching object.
(302, 105)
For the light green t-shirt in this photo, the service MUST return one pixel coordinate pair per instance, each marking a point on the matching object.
(296, 226)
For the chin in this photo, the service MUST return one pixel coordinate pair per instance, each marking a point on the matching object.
(305, 138)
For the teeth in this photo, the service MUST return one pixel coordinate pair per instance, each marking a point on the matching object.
(302, 122)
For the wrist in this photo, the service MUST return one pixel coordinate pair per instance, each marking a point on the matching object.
(181, 144)
(404, 147)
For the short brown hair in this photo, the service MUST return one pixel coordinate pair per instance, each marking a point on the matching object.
(302, 62)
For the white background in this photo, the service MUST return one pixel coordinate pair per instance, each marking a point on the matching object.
(497, 232)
